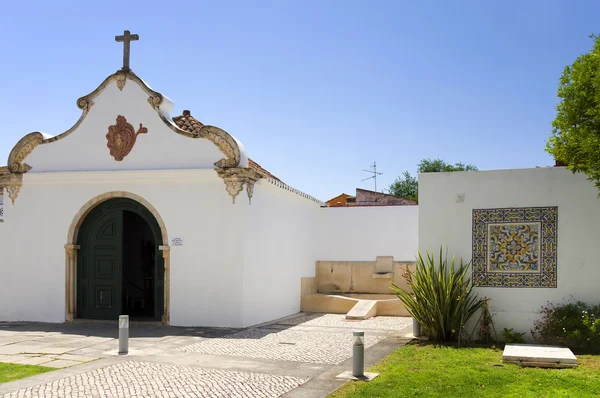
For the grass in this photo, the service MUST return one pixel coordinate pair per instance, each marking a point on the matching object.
(13, 371)
(443, 371)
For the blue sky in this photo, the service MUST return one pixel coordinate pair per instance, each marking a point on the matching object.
(316, 90)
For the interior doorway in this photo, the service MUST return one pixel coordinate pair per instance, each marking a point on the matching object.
(139, 262)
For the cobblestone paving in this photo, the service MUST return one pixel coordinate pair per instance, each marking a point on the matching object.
(285, 345)
(339, 321)
(142, 379)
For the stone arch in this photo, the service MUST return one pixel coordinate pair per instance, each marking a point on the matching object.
(71, 248)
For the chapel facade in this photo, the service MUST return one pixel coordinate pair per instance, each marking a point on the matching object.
(133, 211)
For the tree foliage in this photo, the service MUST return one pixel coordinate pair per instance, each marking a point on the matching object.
(439, 166)
(575, 138)
(407, 186)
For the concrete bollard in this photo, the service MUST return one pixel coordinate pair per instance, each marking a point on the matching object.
(416, 328)
(358, 354)
(123, 334)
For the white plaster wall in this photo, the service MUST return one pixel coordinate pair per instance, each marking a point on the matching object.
(363, 233)
(444, 221)
(7, 245)
(206, 273)
(85, 149)
(279, 249)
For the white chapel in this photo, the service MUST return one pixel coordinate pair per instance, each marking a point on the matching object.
(136, 211)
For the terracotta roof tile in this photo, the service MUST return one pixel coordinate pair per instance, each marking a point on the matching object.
(190, 124)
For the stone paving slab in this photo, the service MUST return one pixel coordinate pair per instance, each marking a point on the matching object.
(142, 379)
(4, 340)
(56, 350)
(36, 361)
(53, 361)
(78, 358)
(285, 345)
(13, 358)
(14, 349)
(61, 363)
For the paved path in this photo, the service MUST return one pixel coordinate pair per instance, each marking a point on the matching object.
(297, 356)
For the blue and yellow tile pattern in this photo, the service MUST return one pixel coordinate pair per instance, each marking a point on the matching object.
(515, 247)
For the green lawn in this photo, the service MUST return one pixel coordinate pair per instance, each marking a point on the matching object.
(13, 371)
(438, 371)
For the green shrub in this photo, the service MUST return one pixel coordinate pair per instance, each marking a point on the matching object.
(442, 298)
(511, 337)
(574, 324)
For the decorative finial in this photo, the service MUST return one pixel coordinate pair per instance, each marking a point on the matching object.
(126, 38)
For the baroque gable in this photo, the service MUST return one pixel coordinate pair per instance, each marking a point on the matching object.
(105, 139)
(116, 90)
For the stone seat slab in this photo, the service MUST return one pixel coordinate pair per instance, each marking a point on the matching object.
(539, 355)
(364, 309)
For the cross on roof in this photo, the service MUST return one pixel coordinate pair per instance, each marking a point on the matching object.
(126, 38)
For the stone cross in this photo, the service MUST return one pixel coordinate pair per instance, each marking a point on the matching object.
(126, 39)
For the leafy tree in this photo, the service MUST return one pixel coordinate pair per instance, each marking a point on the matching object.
(439, 166)
(575, 138)
(407, 186)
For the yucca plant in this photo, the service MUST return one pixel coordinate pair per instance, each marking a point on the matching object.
(442, 298)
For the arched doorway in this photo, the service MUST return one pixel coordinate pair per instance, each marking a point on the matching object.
(120, 268)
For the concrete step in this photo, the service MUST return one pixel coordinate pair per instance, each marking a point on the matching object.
(364, 309)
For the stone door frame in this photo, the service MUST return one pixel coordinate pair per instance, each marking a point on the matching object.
(71, 252)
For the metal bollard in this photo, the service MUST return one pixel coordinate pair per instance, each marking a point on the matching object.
(123, 334)
(416, 328)
(358, 354)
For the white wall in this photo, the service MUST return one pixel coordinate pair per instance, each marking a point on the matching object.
(279, 249)
(363, 233)
(444, 221)
(206, 273)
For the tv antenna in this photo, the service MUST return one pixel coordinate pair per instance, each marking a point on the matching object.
(375, 174)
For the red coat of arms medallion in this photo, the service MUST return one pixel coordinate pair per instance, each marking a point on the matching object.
(121, 138)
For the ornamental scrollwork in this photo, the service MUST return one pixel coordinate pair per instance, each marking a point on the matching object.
(121, 80)
(236, 178)
(155, 100)
(226, 144)
(24, 147)
(12, 184)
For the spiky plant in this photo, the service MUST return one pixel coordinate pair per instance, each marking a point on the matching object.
(442, 298)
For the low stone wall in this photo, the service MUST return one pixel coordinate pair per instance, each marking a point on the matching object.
(361, 276)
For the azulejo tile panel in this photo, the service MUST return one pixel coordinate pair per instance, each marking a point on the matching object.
(515, 247)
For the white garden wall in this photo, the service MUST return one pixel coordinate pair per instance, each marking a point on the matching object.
(363, 233)
(446, 202)
(279, 249)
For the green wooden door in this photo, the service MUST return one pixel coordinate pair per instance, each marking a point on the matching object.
(100, 261)
(99, 266)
